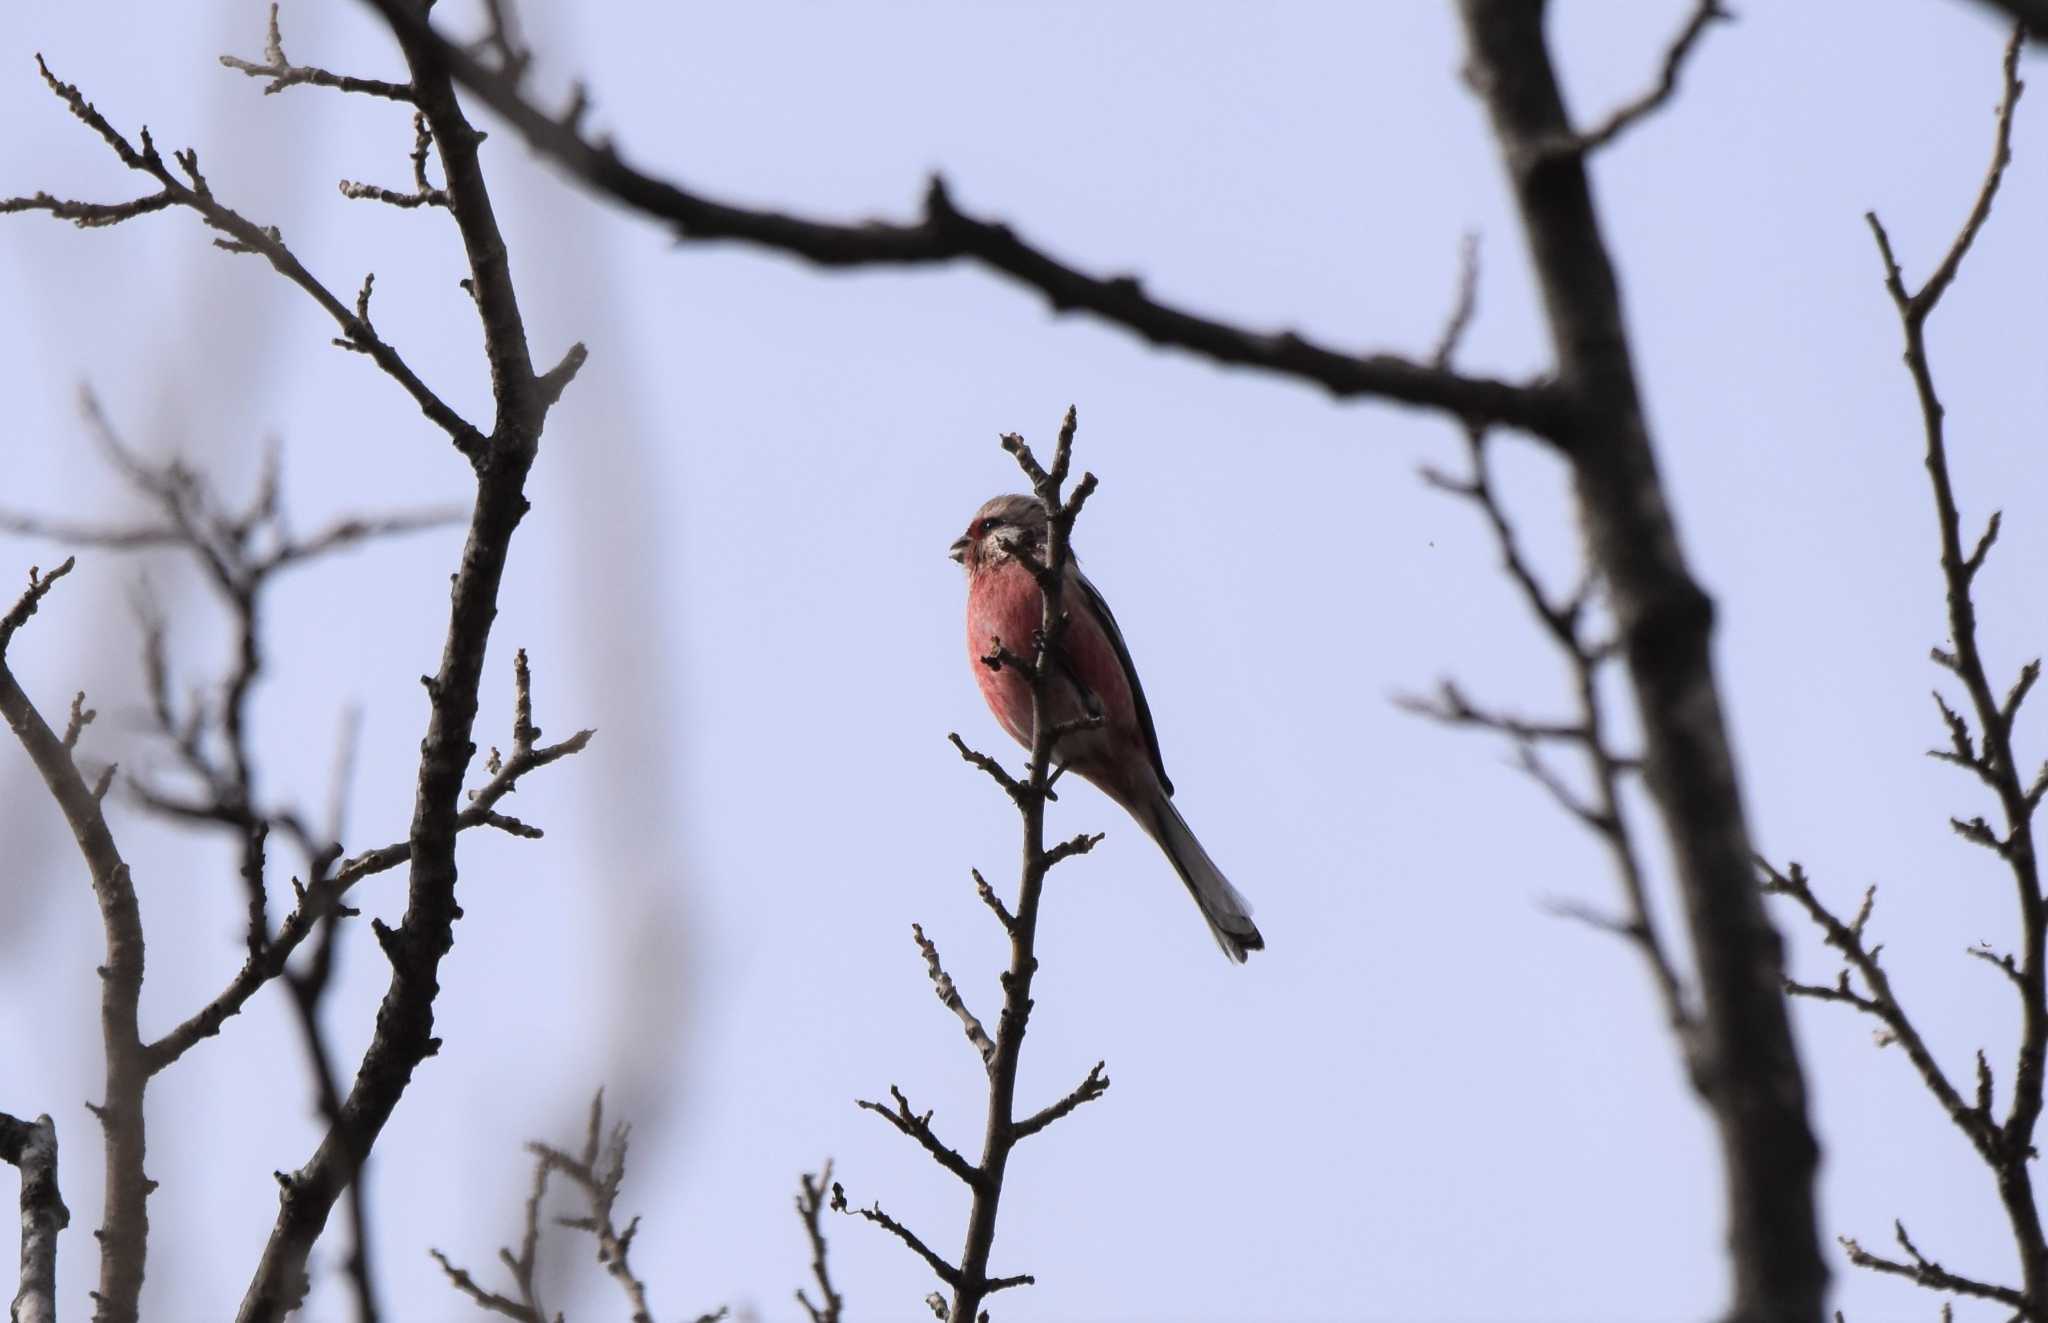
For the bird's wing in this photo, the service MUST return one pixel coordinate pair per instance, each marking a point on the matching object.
(1123, 657)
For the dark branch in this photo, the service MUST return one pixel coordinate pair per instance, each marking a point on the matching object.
(810, 1207)
(918, 1126)
(944, 233)
(945, 1271)
(1088, 1090)
(1628, 115)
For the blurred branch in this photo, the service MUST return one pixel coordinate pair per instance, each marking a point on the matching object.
(944, 233)
(404, 1036)
(31, 1148)
(810, 1207)
(1930, 1274)
(1981, 743)
(2031, 15)
(1586, 731)
(598, 1172)
(1755, 1089)
(1626, 116)
(282, 73)
(239, 235)
(523, 1266)
(124, 1229)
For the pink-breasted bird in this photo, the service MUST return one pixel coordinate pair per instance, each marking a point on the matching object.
(1092, 675)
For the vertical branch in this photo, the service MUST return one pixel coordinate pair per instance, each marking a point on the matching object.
(1756, 1090)
(1001, 1134)
(31, 1148)
(404, 1035)
(124, 1228)
(1992, 756)
(810, 1208)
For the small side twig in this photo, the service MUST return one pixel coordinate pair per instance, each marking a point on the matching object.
(949, 996)
(1626, 116)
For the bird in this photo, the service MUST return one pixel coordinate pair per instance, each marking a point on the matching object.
(1092, 677)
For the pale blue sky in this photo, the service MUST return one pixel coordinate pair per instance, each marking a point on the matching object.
(1428, 1098)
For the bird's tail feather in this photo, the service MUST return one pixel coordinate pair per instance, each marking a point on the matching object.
(1229, 916)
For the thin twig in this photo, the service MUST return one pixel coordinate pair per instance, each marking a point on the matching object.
(1627, 115)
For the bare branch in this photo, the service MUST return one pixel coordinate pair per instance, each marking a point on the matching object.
(949, 996)
(945, 1271)
(945, 233)
(810, 1206)
(1880, 1002)
(1739, 1049)
(599, 1173)
(994, 902)
(1626, 116)
(1088, 1090)
(282, 73)
(918, 1126)
(1927, 1273)
(239, 235)
(1463, 306)
(124, 1228)
(489, 1300)
(31, 1148)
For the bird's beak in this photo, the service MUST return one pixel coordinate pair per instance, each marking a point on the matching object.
(960, 545)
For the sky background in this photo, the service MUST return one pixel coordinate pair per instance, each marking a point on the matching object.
(1429, 1098)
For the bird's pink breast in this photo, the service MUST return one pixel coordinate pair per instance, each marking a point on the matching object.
(1003, 602)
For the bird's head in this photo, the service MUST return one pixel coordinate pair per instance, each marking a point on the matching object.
(998, 529)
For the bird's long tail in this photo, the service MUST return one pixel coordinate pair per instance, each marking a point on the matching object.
(1229, 916)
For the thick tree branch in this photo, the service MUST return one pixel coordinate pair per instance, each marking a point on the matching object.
(945, 233)
(404, 1035)
(1754, 1086)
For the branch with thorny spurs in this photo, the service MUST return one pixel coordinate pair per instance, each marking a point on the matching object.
(1565, 623)
(326, 895)
(187, 187)
(124, 1227)
(240, 551)
(501, 461)
(969, 1279)
(30, 1147)
(598, 1172)
(1980, 741)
